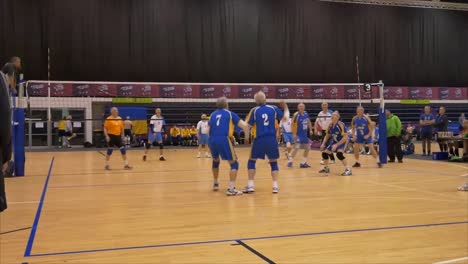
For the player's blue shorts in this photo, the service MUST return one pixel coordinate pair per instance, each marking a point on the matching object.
(361, 140)
(330, 146)
(265, 146)
(221, 146)
(288, 138)
(302, 139)
(157, 138)
(203, 139)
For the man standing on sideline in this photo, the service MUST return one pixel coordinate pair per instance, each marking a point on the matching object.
(426, 120)
(68, 132)
(301, 127)
(221, 124)
(393, 137)
(114, 133)
(12, 70)
(155, 134)
(321, 125)
(203, 130)
(5, 136)
(263, 120)
(441, 125)
(128, 130)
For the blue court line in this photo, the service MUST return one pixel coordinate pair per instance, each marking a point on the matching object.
(245, 239)
(29, 246)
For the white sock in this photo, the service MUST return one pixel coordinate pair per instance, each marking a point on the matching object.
(304, 161)
(126, 162)
(232, 185)
(250, 183)
(275, 184)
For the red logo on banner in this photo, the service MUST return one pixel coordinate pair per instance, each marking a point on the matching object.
(453, 93)
(333, 92)
(137, 90)
(37, 89)
(215, 91)
(396, 92)
(423, 93)
(102, 90)
(61, 89)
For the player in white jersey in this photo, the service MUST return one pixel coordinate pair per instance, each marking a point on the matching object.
(203, 130)
(155, 134)
(322, 123)
(288, 139)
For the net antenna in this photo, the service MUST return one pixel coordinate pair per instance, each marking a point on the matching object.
(358, 79)
(49, 111)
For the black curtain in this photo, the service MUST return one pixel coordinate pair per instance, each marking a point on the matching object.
(235, 41)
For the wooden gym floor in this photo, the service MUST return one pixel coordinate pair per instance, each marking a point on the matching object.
(165, 212)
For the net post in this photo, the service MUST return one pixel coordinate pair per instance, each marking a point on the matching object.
(382, 126)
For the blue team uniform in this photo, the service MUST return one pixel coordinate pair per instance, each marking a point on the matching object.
(263, 120)
(426, 131)
(300, 126)
(337, 133)
(222, 123)
(362, 126)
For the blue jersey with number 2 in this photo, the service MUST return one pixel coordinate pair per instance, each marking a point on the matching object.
(263, 120)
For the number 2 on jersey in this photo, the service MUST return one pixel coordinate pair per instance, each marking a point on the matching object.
(265, 120)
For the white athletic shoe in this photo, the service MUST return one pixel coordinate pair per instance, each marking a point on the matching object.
(207, 156)
(248, 189)
(347, 172)
(275, 190)
(322, 162)
(215, 187)
(233, 192)
(198, 156)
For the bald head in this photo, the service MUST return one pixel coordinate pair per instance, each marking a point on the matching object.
(222, 103)
(114, 111)
(260, 98)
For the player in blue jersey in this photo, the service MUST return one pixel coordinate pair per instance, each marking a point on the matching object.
(426, 120)
(263, 120)
(222, 123)
(362, 129)
(335, 141)
(301, 128)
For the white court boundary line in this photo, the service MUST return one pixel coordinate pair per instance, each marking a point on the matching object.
(451, 260)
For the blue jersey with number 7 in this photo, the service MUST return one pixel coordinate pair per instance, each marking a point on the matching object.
(222, 123)
(263, 120)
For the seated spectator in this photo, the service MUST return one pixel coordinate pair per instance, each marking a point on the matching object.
(454, 145)
(176, 136)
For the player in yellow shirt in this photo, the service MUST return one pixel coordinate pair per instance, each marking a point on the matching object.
(114, 133)
(193, 135)
(186, 136)
(61, 131)
(175, 135)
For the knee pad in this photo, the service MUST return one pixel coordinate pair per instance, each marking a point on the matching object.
(123, 150)
(340, 155)
(251, 164)
(148, 145)
(235, 165)
(215, 164)
(324, 156)
(109, 152)
(274, 166)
